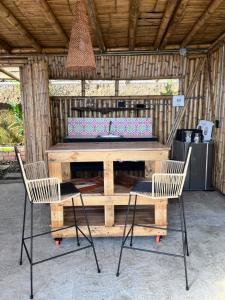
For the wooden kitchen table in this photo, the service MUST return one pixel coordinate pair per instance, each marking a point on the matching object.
(106, 210)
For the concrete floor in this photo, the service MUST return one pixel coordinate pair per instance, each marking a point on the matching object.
(143, 275)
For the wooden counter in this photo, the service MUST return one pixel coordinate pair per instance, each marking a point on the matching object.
(108, 217)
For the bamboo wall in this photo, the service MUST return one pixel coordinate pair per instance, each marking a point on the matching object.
(35, 103)
(206, 97)
(160, 107)
(121, 67)
(216, 111)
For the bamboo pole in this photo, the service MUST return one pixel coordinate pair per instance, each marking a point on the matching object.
(181, 112)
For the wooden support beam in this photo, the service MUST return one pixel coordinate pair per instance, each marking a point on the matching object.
(220, 39)
(95, 24)
(182, 110)
(9, 74)
(170, 7)
(201, 21)
(53, 20)
(176, 19)
(211, 92)
(133, 17)
(5, 46)
(11, 19)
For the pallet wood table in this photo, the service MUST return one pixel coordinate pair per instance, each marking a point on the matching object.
(106, 210)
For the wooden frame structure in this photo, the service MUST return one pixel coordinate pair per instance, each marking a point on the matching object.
(59, 158)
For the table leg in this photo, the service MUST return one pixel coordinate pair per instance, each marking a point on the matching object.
(109, 190)
(149, 169)
(57, 216)
(161, 213)
(59, 170)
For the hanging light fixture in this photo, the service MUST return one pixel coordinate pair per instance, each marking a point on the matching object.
(80, 58)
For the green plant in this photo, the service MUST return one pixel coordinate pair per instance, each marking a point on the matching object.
(11, 125)
(6, 149)
(168, 89)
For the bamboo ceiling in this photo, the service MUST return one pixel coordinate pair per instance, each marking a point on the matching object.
(42, 26)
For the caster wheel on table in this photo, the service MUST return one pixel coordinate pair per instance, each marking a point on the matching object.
(58, 241)
(157, 238)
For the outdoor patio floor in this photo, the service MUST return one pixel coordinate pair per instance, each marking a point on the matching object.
(143, 275)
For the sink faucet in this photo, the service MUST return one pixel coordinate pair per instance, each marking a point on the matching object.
(110, 125)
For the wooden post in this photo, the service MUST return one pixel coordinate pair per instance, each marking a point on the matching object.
(59, 170)
(108, 191)
(36, 109)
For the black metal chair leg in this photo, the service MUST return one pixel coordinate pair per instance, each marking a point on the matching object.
(31, 252)
(23, 228)
(185, 227)
(184, 244)
(89, 231)
(123, 239)
(133, 220)
(75, 222)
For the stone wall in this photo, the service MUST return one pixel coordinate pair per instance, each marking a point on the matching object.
(10, 156)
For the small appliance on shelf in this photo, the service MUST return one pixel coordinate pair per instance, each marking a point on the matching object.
(206, 127)
(189, 135)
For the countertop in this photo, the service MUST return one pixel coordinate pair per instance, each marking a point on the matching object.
(88, 139)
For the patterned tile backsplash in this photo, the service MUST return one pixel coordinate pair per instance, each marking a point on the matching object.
(126, 127)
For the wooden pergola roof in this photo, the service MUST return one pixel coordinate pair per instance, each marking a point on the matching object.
(42, 26)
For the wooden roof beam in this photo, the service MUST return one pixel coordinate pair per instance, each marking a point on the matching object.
(201, 21)
(219, 40)
(5, 46)
(133, 18)
(90, 5)
(170, 7)
(176, 19)
(53, 20)
(11, 19)
(9, 74)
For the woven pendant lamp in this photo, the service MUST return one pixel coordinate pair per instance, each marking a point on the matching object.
(80, 58)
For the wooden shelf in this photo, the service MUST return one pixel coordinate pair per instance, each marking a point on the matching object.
(144, 215)
(106, 110)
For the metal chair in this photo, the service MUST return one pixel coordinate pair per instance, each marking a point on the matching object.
(40, 189)
(168, 184)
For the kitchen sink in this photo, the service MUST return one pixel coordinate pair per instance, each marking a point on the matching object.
(110, 136)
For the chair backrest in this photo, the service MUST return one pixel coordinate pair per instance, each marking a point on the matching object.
(31, 172)
(187, 161)
(36, 170)
(23, 173)
(170, 185)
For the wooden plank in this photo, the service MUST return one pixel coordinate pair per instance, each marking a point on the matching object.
(106, 146)
(114, 231)
(95, 24)
(59, 170)
(57, 217)
(9, 74)
(133, 18)
(176, 19)
(214, 4)
(161, 213)
(109, 215)
(171, 5)
(96, 199)
(108, 178)
(107, 156)
(109, 190)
